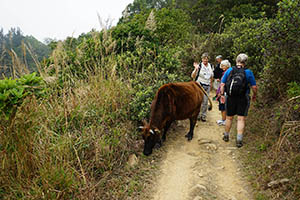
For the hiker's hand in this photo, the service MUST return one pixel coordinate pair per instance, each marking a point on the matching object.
(222, 99)
(196, 65)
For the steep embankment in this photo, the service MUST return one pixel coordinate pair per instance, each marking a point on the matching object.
(205, 168)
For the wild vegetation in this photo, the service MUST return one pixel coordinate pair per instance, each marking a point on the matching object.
(19, 52)
(67, 131)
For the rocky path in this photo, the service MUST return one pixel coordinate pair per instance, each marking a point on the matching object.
(203, 169)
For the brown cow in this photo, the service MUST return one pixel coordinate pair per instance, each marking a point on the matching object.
(173, 101)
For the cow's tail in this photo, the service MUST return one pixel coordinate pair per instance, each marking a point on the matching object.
(210, 102)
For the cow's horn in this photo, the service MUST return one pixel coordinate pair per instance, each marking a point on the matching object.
(141, 127)
(152, 132)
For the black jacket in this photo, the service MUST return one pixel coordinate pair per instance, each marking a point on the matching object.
(218, 72)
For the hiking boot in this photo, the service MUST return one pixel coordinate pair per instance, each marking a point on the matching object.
(239, 143)
(203, 119)
(221, 122)
(226, 138)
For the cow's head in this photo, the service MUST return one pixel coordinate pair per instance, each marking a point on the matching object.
(151, 136)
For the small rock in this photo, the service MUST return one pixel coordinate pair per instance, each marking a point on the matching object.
(220, 168)
(199, 186)
(277, 182)
(233, 198)
(132, 160)
(285, 180)
(193, 154)
(211, 146)
(229, 152)
(232, 148)
(200, 175)
(204, 141)
(198, 198)
(181, 124)
(242, 191)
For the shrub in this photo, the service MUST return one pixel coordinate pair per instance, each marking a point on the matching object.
(13, 92)
(63, 145)
(282, 52)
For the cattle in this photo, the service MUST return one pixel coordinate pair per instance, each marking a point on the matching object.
(173, 101)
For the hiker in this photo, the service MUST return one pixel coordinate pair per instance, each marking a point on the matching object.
(203, 74)
(218, 72)
(237, 81)
(225, 64)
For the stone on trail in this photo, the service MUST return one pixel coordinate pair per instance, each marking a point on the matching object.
(221, 167)
(180, 123)
(228, 152)
(233, 198)
(277, 182)
(211, 147)
(231, 148)
(204, 141)
(199, 186)
(198, 198)
(193, 154)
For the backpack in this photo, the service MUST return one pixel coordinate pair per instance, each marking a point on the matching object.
(198, 73)
(236, 84)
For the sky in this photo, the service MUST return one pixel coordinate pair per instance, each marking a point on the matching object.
(57, 19)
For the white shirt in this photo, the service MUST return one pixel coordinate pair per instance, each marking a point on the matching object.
(206, 73)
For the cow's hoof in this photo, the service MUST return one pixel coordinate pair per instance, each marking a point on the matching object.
(190, 138)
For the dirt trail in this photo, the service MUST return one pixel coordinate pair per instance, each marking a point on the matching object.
(202, 169)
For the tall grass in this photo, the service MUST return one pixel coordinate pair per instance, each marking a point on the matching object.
(62, 146)
(67, 145)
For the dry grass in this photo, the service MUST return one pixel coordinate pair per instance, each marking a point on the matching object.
(70, 145)
(273, 150)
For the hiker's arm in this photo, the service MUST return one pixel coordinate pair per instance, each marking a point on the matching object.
(223, 81)
(253, 85)
(222, 87)
(222, 97)
(193, 75)
(254, 91)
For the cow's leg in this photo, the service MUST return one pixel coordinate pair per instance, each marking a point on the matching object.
(167, 126)
(190, 134)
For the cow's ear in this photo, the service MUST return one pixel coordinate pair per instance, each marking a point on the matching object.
(156, 130)
(144, 122)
